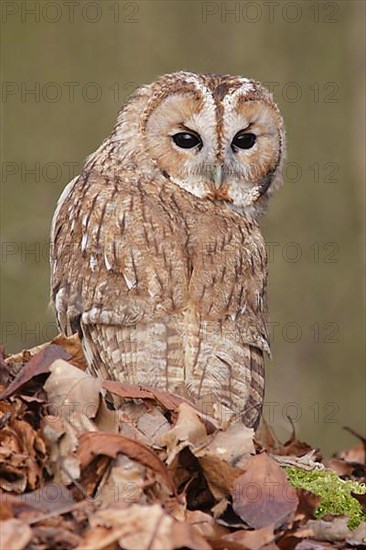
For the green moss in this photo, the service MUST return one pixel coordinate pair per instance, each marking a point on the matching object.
(335, 493)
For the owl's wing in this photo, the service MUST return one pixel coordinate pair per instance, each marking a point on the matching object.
(118, 272)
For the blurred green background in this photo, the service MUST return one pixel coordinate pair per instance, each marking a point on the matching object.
(66, 69)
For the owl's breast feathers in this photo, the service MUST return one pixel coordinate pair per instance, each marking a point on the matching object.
(165, 289)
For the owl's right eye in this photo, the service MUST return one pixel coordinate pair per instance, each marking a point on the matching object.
(186, 140)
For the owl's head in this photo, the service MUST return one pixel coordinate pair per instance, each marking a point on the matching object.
(220, 138)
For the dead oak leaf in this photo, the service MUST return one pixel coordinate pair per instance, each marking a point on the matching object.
(22, 456)
(76, 397)
(72, 345)
(123, 482)
(204, 524)
(223, 455)
(251, 540)
(166, 400)
(361, 499)
(93, 444)
(308, 503)
(14, 534)
(336, 530)
(262, 495)
(138, 527)
(308, 544)
(73, 395)
(38, 364)
(188, 431)
(62, 441)
(13, 471)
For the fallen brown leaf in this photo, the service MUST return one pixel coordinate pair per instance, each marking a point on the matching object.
(22, 454)
(188, 431)
(124, 482)
(38, 364)
(251, 540)
(262, 495)
(308, 503)
(62, 441)
(222, 456)
(14, 534)
(166, 400)
(60, 535)
(295, 448)
(140, 527)
(204, 524)
(73, 395)
(336, 530)
(309, 544)
(72, 345)
(93, 444)
(361, 499)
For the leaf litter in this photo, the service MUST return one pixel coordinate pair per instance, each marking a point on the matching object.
(76, 471)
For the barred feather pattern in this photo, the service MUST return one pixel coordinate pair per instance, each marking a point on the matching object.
(166, 295)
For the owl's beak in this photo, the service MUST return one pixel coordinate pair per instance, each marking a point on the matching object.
(217, 176)
(219, 188)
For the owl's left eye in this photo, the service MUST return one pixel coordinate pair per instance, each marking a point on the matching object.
(243, 140)
(186, 140)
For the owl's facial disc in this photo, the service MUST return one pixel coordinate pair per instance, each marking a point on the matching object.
(228, 152)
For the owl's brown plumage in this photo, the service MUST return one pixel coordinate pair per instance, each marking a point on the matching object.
(157, 257)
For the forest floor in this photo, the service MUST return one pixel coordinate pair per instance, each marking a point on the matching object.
(156, 473)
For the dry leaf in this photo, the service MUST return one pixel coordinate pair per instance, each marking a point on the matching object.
(295, 447)
(204, 524)
(223, 455)
(361, 499)
(336, 530)
(38, 364)
(263, 495)
(139, 527)
(309, 544)
(14, 534)
(93, 444)
(308, 503)
(73, 395)
(50, 498)
(153, 425)
(13, 474)
(251, 540)
(22, 454)
(234, 444)
(188, 430)
(72, 345)
(167, 401)
(62, 440)
(57, 533)
(355, 454)
(124, 482)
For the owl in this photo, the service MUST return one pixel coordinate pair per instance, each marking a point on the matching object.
(157, 258)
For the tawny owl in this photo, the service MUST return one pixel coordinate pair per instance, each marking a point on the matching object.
(157, 258)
